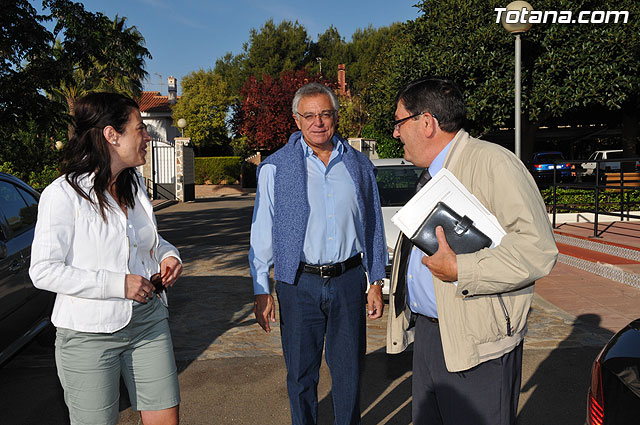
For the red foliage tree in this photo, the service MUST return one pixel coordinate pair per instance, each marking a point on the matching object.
(265, 117)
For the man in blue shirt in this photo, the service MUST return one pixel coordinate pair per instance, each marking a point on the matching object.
(317, 220)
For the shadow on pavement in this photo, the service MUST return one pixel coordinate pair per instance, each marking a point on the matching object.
(385, 391)
(567, 371)
(203, 309)
(214, 294)
(217, 234)
(31, 391)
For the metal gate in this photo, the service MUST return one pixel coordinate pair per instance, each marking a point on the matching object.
(164, 170)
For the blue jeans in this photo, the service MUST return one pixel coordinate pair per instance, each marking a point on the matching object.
(311, 309)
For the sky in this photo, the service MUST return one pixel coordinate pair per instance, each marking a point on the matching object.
(188, 35)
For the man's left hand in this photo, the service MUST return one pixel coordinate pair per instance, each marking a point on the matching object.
(443, 263)
(375, 305)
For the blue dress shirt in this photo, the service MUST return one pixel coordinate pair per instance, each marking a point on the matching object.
(332, 235)
(421, 296)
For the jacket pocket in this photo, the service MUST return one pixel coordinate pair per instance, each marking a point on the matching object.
(484, 318)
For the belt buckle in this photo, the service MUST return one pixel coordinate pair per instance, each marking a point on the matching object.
(325, 271)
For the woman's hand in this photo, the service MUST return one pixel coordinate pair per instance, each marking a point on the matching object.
(170, 269)
(137, 288)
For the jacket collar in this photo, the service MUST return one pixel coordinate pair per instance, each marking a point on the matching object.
(457, 145)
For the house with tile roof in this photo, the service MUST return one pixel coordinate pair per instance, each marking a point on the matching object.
(156, 113)
(168, 170)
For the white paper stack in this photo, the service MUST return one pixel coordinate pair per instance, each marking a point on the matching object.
(445, 187)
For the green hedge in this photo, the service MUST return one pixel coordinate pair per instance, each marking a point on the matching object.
(218, 169)
(585, 199)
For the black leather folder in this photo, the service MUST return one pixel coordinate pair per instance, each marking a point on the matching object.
(462, 236)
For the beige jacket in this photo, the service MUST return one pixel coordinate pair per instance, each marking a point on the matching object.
(493, 284)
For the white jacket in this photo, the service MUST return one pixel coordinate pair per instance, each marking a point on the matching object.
(84, 259)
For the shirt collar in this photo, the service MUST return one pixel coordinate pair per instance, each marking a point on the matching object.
(338, 148)
(438, 162)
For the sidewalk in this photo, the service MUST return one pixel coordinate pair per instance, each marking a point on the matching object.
(204, 191)
(598, 300)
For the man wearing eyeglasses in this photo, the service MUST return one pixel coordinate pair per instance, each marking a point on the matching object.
(467, 313)
(317, 220)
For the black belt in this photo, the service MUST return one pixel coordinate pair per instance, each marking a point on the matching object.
(332, 270)
(414, 316)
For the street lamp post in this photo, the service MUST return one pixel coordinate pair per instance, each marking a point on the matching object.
(516, 23)
(182, 123)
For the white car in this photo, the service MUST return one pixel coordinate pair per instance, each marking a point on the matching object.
(397, 179)
(613, 155)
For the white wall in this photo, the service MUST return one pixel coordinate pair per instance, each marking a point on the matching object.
(159, 127)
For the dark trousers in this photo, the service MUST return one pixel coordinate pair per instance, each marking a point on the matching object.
(486, 394)
(311, 309)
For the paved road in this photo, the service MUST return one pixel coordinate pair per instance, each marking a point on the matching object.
(231, 372)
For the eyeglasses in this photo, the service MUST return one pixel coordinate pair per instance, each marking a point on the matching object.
(396, 124)
(324, 115)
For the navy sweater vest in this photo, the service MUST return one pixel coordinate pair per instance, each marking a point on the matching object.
(291, 208)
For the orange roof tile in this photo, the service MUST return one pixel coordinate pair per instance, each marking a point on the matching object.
(152, 101)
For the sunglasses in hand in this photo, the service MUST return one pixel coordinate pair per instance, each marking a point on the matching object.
(156, 281)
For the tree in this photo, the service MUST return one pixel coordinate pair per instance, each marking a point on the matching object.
(123, 71)
(331, 50)
(594, 79)
(269, 51)
(27, 68)
(568, 70)
(264, 117)
(276, 48)
(386, 145)
(28, 119)
(353, 116)
(229, 67)
(367, 50)
(204, 104)
(361, 56)
(98, 53)
(36, 63)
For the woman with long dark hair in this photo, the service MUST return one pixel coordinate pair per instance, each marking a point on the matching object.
(97, 246)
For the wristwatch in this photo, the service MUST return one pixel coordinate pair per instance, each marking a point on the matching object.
(379, 283)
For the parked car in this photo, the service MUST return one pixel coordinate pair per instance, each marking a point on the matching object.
(397, 179)
(614, 395)
(24, 310)
(543, 165)
(614, 154)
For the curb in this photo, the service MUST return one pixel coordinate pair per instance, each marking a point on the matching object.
(164, 204)
(604, 247)
(227, 195)
(601, 269)
(541, 302)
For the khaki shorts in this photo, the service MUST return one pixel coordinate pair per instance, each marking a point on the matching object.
(90, 364)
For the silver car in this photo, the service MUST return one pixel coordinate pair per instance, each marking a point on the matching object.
(24, 310)
(397, 180)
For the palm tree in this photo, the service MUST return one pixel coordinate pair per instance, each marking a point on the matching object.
(117, 65)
